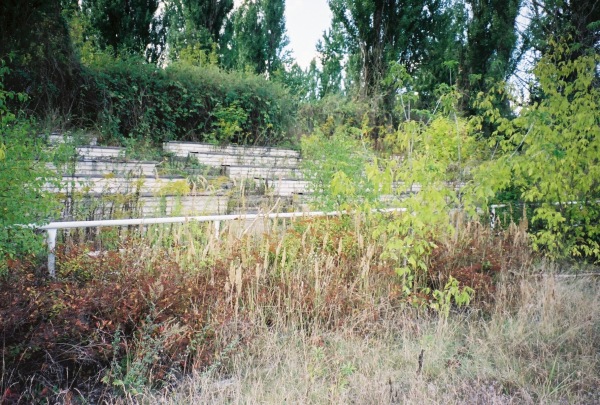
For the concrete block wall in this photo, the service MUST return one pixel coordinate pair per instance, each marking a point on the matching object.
(106, 206)
(183, 148)
(105, 152)
(215, 156)
(249, 172)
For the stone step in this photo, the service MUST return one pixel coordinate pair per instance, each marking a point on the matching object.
(271, 173)
(105, 167)
(183, 148)
(104, 152)
(219, 160)
(120, 185)
(288, 187)
(110, 207)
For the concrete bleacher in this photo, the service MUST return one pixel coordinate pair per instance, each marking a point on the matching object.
(107, 206)
(288, 187)
(112, 184)
(259, 172)
(215, 156)
(277, 169)
(111, 206)
(183, 148)
(100, 182)
(104, 152)
(100, 167)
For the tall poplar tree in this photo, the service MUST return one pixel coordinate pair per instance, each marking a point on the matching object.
(577, 21)
(332, 49)
(256, 37)
(488, 56)
(35, 44)
(380, 33)
(196, 24)
(123, 26)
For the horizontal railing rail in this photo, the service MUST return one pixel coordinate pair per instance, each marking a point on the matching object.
(53, 227)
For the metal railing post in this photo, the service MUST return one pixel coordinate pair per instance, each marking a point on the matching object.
(51, 242)
(217, 229)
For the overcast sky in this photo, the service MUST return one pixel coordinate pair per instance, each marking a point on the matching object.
(305, 22)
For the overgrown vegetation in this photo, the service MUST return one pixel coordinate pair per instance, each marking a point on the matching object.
(408, 109)
(22, 177)
(161, 306)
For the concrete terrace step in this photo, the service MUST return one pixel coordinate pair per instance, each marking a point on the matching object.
(105, 167)
(104, 207)
(234, 155)
(249, 172)
(219, 159)
(120, 185)
(104, 152)
(288, 187)
(182, 149)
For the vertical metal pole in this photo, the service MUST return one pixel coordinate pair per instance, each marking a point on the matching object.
(51, 242)
(217, 229)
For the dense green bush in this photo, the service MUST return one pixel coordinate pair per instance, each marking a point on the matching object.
(23, 174)
(551, 154)
(128, 99)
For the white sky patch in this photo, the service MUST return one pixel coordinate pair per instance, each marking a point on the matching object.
(305, 21)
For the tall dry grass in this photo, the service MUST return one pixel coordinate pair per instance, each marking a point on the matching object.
(540, 344)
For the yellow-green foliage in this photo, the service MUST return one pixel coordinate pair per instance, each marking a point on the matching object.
(551, 154)
(179, 188)
(23, 175)
(335, 165)
(436, 158)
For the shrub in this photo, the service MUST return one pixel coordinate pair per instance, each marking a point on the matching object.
(22, 176)
(335, 165)
(185, 103)
(550, 154)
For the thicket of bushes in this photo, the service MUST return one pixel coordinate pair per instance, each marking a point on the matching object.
(187, 103)
(132, 99)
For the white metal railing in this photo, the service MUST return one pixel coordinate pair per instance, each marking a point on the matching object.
(53, 227)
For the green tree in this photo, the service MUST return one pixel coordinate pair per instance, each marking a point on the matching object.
(42, 62)
(257, 37)
(195, 24)
(379, 32)
(302, 83)
(275, 34)
(552, 154)
(125, 26)
(577, 20)
(332, 49)
(248, 40)
(441, 66)
(488, 56)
